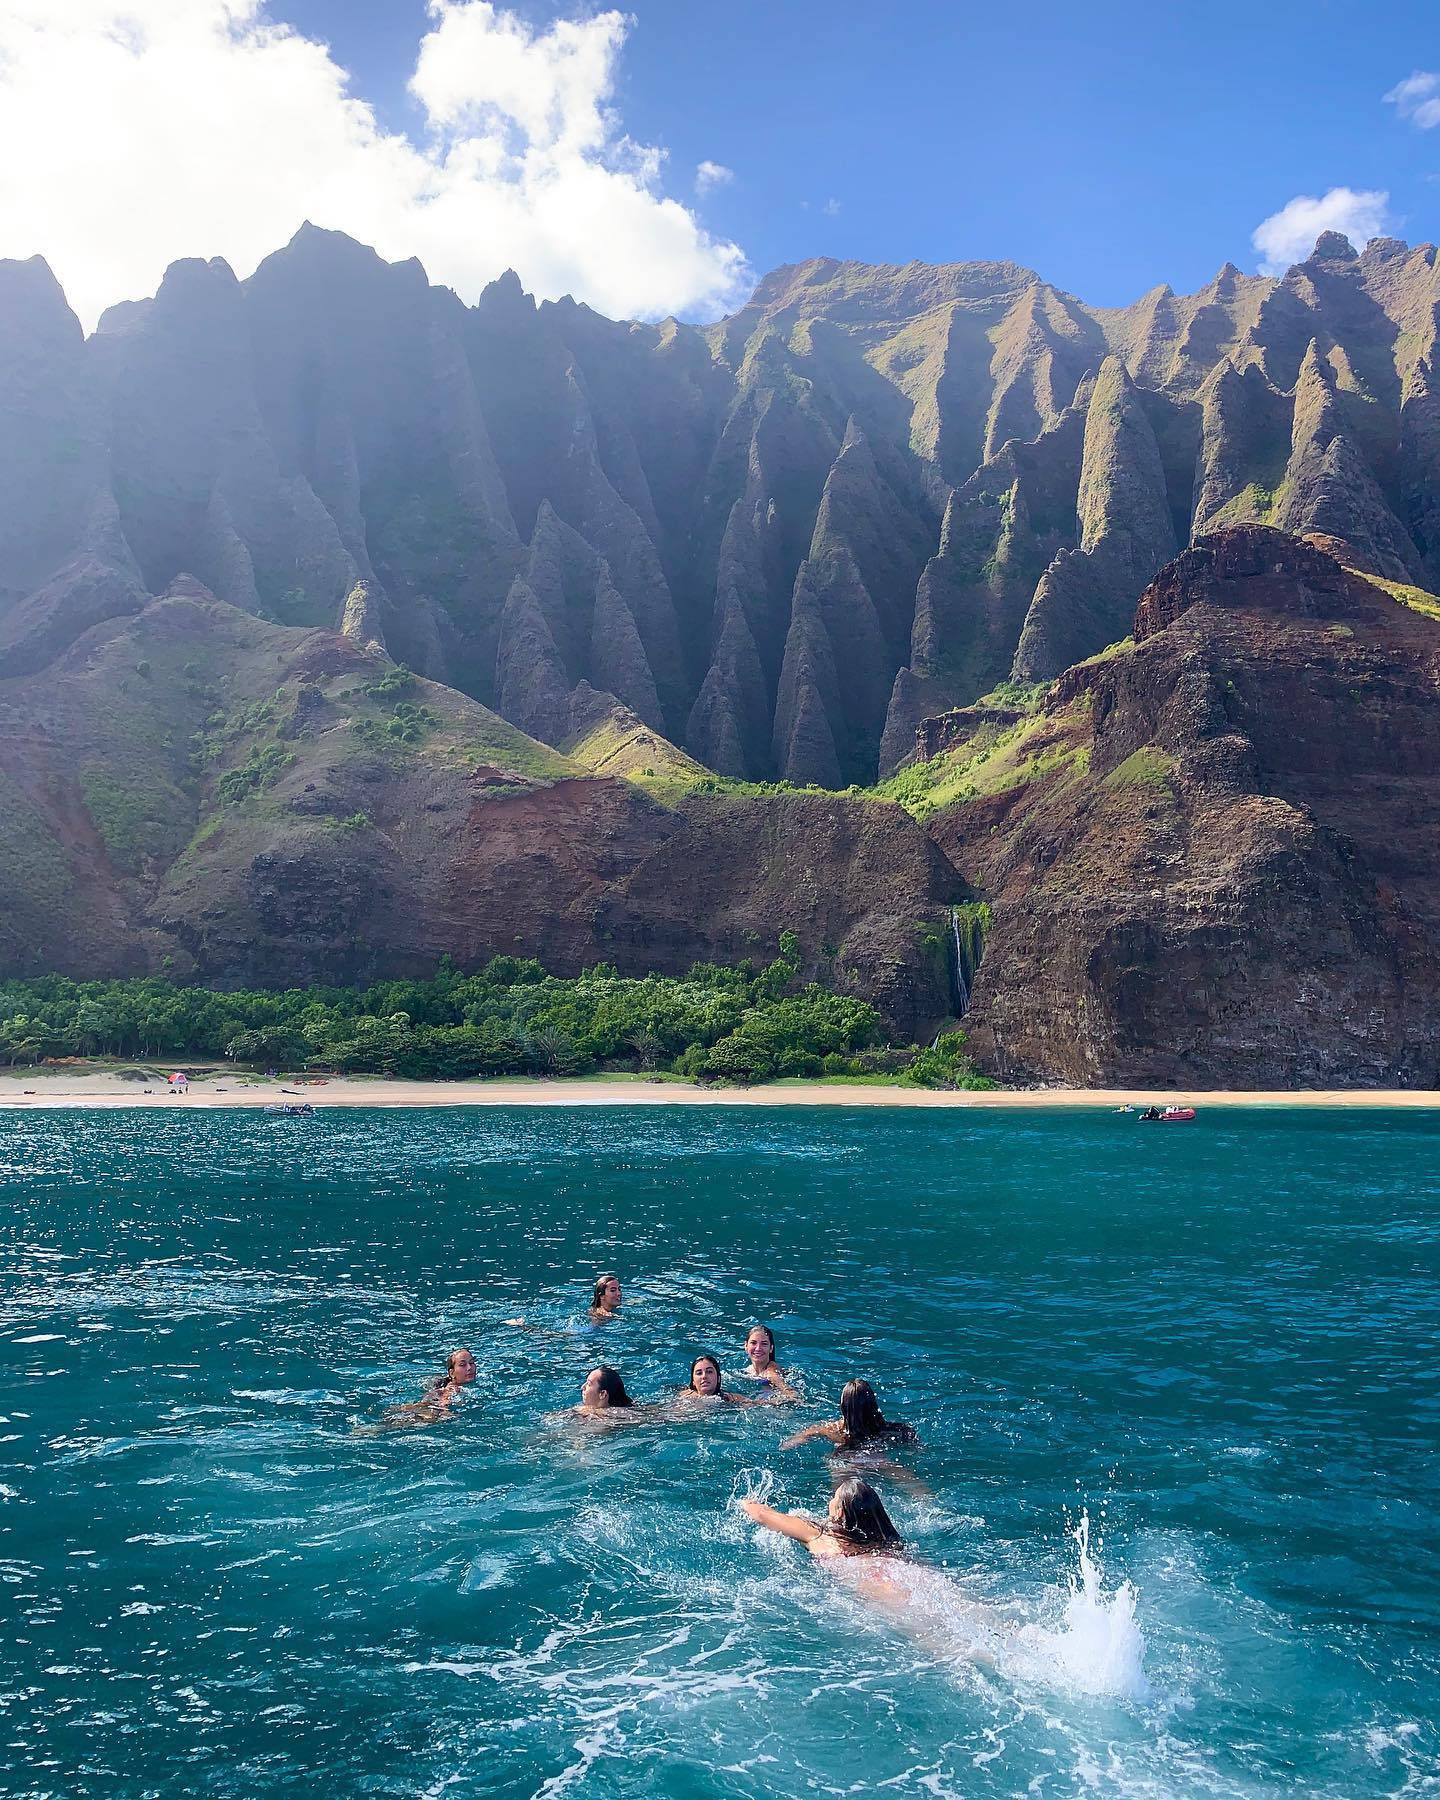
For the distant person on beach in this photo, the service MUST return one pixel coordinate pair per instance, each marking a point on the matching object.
(440, 1396)
(707, 1386)
(861, 1425)
(761, 1364)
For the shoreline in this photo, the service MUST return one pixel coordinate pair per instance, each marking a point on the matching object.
(105, 1089)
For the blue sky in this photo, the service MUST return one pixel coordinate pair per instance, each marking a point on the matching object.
(1110, 145)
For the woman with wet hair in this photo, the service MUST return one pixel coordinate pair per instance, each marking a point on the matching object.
(860, 1544)
(460, 1372)
(606, 1299)
(856, 1523)
(863, 1436)
(439, 1397)
(761, 1364)
(861, 1424)
(707, 1384)
(603, 1392)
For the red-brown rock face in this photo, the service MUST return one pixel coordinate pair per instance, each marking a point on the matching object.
(198, 791)
(1243, 885)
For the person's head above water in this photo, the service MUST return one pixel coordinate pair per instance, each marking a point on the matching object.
(860, 1412)
(460, 1369)
(603, 1387)
(857, 1515)
(607, 1294)
(760, 1346)
(704, 1375)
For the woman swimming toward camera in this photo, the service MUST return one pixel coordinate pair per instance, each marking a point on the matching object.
(605, 1301)
(706, 1386)
(861, 1424)
(857, 1523)
(761, 1364)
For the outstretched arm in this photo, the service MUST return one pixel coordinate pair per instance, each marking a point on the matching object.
(804, 1437)
(791, 1525)
(781, 1386)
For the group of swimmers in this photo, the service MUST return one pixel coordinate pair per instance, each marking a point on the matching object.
(856, 1522)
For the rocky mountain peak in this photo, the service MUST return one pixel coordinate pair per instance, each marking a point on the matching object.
(1252, 566)
(1333, 246)
(33, 308)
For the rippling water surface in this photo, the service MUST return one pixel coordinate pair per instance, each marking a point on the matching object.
(1222, 1341)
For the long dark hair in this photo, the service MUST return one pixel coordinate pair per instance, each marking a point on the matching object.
(714, 1362)
(861, 1417)
(612, 1387)
(601, 1283)
(864, 1521)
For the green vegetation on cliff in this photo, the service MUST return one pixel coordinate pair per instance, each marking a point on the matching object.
(510, 1018)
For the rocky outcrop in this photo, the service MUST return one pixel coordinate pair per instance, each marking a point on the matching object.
(618, 662)
(532, 685)
(1328, 486)
(1084, 600)
(235, 801)
(1244, 446)
(1218, 864)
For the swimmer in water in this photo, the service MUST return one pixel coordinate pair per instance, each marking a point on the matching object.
(859, 1542)
(861, 1424)
(861, 1436)
(707, 1387)
(761, 1363)
(857, 1523)
(604, 1305)
(440, 1396)
(605, 1302)
(603, 1392)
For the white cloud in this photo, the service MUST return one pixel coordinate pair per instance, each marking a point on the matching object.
(713, 175)
(831, 207)
(1417, 98)
(1288, 236)
(133, 132)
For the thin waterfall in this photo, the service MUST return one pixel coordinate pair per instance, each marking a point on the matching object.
(967, 937)
(962, 986)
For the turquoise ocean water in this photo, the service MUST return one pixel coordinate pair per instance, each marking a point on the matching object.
(1222, 1341)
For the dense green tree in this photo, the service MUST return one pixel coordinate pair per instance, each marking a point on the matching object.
(718, 1022)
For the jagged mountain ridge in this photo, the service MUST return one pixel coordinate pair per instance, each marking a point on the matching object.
(782, 540)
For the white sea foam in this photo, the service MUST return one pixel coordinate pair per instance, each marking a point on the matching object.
(1098, 1647)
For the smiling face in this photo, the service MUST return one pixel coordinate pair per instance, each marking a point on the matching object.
(705, 1376)
(759, 1348)
(607, 1297)
(593, 1393)
(461, 1368)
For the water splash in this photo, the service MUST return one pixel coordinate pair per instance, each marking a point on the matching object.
(1099, 1647)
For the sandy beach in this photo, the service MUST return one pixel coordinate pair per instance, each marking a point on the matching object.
(107, 1088)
